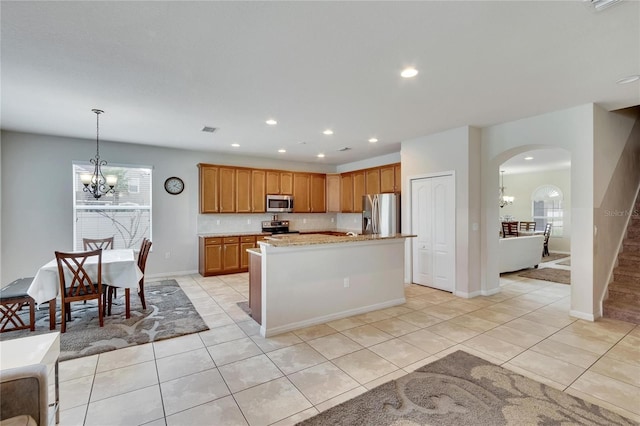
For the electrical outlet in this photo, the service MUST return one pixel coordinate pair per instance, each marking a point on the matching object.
(304, 220)
(248, 221)
(346, 282)
(167, 255)
(218, 222)
(332, 220)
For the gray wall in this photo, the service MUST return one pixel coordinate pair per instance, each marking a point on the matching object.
(37, 215)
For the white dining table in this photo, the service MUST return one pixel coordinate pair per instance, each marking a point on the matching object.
(119, 269)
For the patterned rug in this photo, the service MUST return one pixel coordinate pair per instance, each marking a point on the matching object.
(461, 389)
(554, 256)
(555, 275)
(169, 313)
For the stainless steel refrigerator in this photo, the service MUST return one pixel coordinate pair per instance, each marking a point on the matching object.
(381, 214)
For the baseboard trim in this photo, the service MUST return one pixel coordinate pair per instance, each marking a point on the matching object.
(326, 318)
(466, 295)
(582, 315)
(169, 275)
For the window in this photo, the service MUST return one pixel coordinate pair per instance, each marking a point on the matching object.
(124, 214)
(546, 204)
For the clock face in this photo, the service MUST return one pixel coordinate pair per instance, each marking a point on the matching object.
(174, 185)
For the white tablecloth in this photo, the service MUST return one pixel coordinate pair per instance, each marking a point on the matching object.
(119, 269)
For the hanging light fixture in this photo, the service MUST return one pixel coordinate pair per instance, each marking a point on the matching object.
(504, 200)
(96, 184)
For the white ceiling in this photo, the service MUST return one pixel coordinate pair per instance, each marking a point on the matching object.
(541, 160)
(163, 70)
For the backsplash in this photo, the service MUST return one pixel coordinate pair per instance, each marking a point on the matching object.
(219, 223)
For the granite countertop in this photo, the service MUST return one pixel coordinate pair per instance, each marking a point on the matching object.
(310, 239)
(233, 234)
(255, 250)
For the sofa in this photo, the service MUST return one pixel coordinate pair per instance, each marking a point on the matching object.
(517, 253)
(24, 400)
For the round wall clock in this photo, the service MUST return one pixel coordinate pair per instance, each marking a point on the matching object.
(174, 185)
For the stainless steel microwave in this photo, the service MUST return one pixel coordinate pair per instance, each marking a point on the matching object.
(279, 203)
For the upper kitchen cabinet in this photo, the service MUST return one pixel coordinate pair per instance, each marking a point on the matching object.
(258, 191)
(372, 181)
(309, 193)
(333, 193)
(301, 197)
(227, 189)
(318, 193)
(208, 188)
(346, 190)
(243, 191)
(359, 185)
(390, 180)
(279, 182)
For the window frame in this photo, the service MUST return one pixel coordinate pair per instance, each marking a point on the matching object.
(557, 231)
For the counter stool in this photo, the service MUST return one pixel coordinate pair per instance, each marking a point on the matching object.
(12, 299)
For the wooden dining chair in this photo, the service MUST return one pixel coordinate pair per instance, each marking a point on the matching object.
(98, 243)
(142, 262)
(528, 226)
(81, 286)
(509, 229)
(547, 234)
(110, 291)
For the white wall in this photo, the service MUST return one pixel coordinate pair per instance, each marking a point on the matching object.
(522, 185)
(571, 129)
(370, 162)
(36, 197)
(454, 150)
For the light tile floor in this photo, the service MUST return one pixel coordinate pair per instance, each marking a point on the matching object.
(229, 375)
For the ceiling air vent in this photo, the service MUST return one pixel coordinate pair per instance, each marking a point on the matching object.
(209, 129)
(346, 148)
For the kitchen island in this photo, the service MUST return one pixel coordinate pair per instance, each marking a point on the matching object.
(301, 280)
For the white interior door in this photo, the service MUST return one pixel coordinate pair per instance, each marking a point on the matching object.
(433, 221)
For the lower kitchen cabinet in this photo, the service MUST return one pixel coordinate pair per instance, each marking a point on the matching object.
(224, 255)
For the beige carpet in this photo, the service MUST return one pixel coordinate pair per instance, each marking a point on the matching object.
(548, 274)
(169, 313)
(461, 389)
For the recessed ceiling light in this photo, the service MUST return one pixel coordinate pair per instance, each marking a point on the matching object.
(373, 140)
(409, 72)
(629, 79)
(528, 158)
(282, 151)
(235, 145)
(328, 132)
(271, 122)
(321, 155)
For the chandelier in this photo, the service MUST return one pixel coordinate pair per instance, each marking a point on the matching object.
(504, 200)
(96, 184)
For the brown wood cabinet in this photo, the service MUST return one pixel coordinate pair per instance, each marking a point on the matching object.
(243, 191)
(208, 188)
(210, 256)
(258, 191)
(246, 243)
(397, 168)
(227, 190)
(333, 193)
(225, 255)
(255, 287)
(301, 195)
(309, 193)
(347, 193)
(387, 179)
(279, 182)
(372, 181)
(318, 191)
(358, 190)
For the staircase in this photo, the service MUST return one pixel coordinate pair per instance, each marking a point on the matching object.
(624, 292)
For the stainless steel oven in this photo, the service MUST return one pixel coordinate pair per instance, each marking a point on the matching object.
(279, 203)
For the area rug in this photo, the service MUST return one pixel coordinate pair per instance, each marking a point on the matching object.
(169, 313)
(556, 275)
(554, 256)
(565, 262)
(461, 389)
